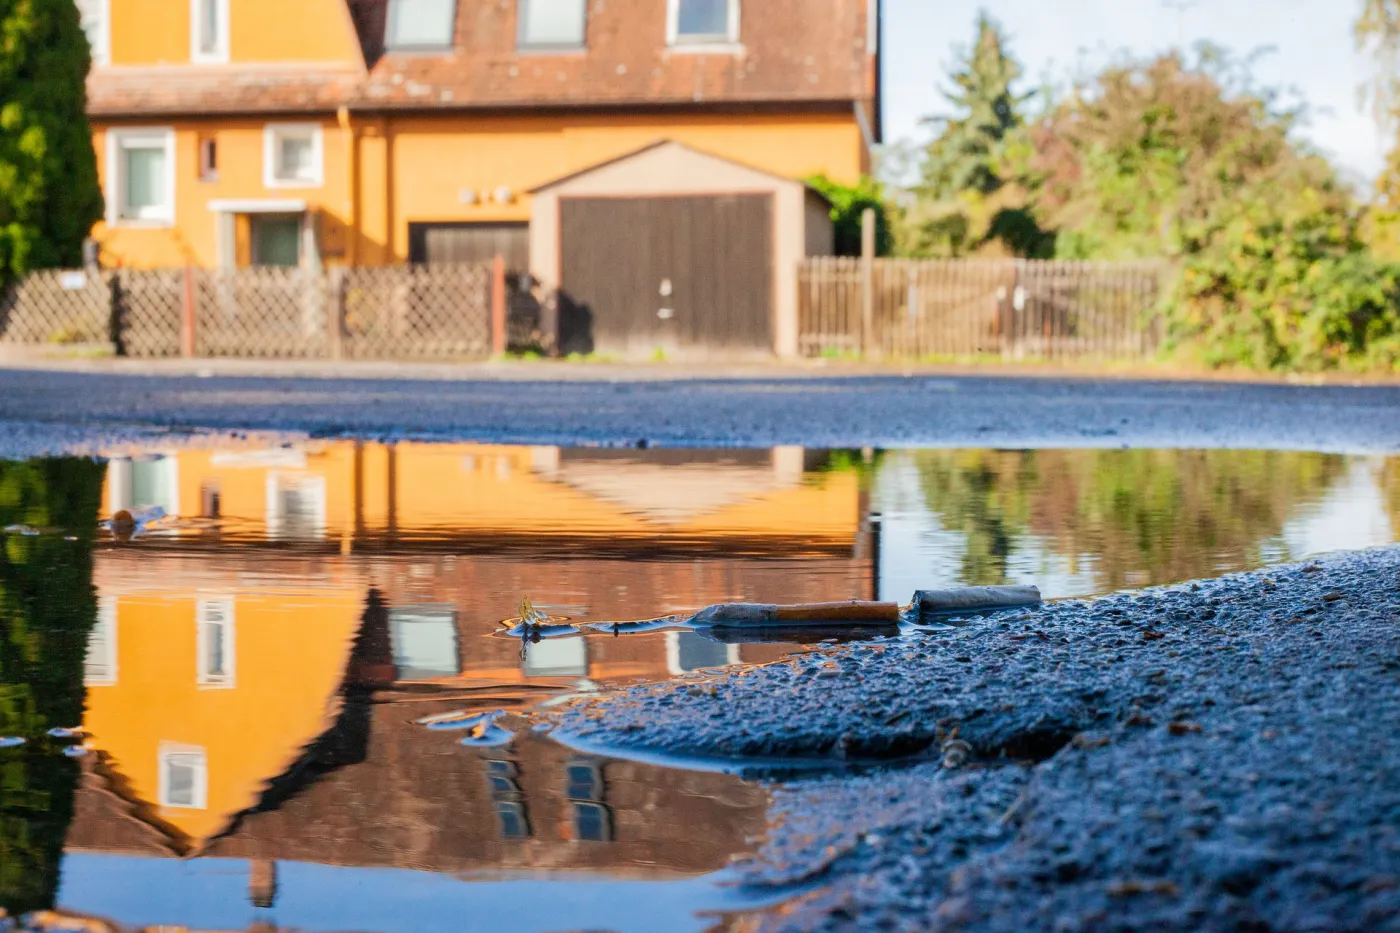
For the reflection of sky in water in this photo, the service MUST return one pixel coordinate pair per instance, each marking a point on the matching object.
(212, 894)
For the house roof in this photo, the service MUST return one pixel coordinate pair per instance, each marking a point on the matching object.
(792, 51)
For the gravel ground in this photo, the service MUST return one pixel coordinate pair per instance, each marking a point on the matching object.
(1215, 756)
(42, 411)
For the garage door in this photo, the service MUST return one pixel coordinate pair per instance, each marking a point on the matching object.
(673, 274)
(470, 242)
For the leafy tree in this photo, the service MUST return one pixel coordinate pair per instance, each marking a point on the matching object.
(848, 203)
(49, 196)
(47, 608)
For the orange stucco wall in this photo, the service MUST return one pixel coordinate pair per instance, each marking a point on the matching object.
(157, 32)
(417, 168)
(289, 650)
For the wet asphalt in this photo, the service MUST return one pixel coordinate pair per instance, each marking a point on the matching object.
(48, 411)
(1219, 756)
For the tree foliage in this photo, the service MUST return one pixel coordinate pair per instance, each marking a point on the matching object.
(49, 196)
(848, 203)
(47, 609)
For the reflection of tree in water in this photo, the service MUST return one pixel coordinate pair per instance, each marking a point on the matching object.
(1148, 516)
(1390, 489)
(47, 607)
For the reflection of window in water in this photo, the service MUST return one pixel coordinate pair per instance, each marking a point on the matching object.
(296, 506)
(424, 640)
(143, 482)
(184, 777)
(514, 824)
(100, 662)
(210, 500)
(215, 643)
(585, 789)
(557, 657)
(688, 651)
(510, 803)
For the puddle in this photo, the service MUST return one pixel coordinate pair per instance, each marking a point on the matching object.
(287, 693)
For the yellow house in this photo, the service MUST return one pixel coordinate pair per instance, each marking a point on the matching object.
(367, 132)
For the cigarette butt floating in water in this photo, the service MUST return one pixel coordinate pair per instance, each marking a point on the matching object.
(863, 614)
(976, 598)
(810, 615)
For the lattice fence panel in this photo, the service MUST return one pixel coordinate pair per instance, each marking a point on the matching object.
(418, 311)
(148, 311)
(263, 312)
(57, 306)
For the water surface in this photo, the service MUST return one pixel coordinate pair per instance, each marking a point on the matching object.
(268, 677)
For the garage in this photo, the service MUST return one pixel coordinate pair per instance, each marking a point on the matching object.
(673, 252)
(697, 275)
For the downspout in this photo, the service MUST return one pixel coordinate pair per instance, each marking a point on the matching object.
(350, 142)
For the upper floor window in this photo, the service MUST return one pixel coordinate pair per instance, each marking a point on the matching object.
(183, 777)
(214, 643)
(95, 15)
(420, 24)
(552, 24)
(209, 31)
(703, 22)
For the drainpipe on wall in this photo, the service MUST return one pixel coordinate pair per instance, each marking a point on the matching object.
(352, 184)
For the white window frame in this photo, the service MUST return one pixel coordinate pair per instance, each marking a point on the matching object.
(272, 133)
(202, 677)
(220, 54)
(106, 626)
(521, 14)
(676, 41)
(102, 50)
(115, 189)
(169, 750)
(391, 41)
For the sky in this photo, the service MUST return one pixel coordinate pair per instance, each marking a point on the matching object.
(1311, 42)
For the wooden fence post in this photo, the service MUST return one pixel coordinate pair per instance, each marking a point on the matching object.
(498, 306)
(335, 315)
(867, 281)
(187, 315)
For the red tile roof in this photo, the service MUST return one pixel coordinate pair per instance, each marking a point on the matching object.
(798, 51)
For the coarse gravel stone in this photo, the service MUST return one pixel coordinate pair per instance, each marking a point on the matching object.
(1222, 755)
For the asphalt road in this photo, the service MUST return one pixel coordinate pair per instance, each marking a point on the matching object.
(50, 411)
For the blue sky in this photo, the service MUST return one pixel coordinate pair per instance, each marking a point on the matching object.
(1311, 40)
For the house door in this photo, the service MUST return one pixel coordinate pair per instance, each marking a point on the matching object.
(276, 240)
(667, 274)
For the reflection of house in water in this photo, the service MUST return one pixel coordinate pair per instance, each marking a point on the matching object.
(253, 682)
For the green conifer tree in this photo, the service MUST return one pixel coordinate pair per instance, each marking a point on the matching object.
(49, 196)
(964, 155)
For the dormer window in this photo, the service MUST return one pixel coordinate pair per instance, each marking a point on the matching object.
(208, 31)
(549, 25)
(420, 25)
(703, 22)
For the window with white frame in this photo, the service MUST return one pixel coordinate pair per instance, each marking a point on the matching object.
(552, 24)
(95, 15)
(703, 22)
(292, 155)
(209, 31)
(141, 176)
(183, 777)
(296, 506)
(420, 24)
(214, 643)
(100, 662)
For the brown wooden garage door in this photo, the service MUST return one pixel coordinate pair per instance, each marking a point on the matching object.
(669, 273)
(470, 242)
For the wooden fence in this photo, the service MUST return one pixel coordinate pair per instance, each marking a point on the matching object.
(1016, 309)
(393, 312)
